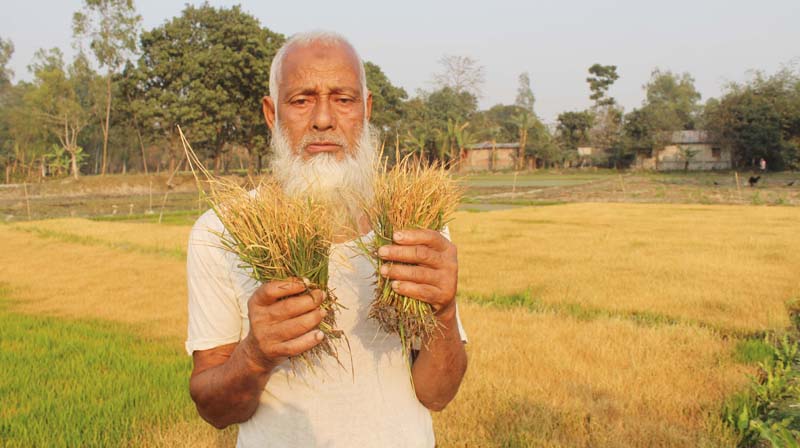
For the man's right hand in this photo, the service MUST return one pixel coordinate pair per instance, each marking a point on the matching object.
(284, 318)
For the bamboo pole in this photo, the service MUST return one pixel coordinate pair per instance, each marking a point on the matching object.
(27, 199)
(738, 185)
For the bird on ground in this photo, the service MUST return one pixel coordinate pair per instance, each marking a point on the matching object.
(753, 180)
(790, 183)
(716, 183)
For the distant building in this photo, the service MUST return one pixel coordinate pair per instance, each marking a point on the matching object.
(488, 156)
(693, 147)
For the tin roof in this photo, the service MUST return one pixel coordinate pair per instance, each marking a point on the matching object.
(490, 145)
(685, 137)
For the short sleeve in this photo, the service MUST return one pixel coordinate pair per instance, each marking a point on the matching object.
(446, 234)
(214, 308)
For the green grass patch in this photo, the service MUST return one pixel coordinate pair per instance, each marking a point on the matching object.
(753, 351)
(179, 218)
(766, 413)
(85, 383)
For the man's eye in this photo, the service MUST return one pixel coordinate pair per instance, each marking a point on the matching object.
(299, 102)
(345, 100)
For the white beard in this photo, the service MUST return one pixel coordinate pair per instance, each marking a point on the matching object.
(348, 181)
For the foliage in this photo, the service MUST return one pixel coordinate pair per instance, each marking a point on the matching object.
(436, 122)
(671, 104)
(764, 412)
(206, 70)
(525, 98)
(60, 99)
(6, 50)
(601, 79)
(112, 26)
(573, 129)
(387, 100)
(760, 118)
(673, 99)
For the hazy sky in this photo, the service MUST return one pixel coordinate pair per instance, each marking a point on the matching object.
(715, 41)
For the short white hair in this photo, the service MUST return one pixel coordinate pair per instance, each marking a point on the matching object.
(303, 39)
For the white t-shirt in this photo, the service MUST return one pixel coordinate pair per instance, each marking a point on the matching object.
(372, 406)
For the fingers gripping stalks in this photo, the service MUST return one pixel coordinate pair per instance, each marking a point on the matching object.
(277, 238)
(410, 196)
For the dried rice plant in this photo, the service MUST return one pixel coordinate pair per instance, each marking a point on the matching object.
(407, 196)
(277, 237)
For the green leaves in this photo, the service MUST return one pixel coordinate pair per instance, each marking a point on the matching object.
(111, 26)
(765, 412)
(603, 76)
(206, 70)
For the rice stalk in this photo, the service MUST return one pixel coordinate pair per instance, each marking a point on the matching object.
(277, 237)
(408, 196)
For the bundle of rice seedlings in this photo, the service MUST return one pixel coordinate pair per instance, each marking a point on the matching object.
(277, 237)
(407, 196)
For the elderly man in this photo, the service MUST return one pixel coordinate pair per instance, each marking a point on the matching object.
(242, 333)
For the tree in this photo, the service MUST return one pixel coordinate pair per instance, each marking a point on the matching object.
(606, 133)
(112, 26)
(672, 99)
(448, 108)
(207, 71)
(6, 50)
(387, 100)
(671, 104)
(760, 118)
(524, 120)
(688, 154)
(525, 98)
(460, 73)
(496, 123)
(573, 128)
(603, 76)
(59, 101)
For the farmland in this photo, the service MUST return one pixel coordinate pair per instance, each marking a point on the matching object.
(591, 323)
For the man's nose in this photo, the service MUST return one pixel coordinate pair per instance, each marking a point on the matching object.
(323, 119)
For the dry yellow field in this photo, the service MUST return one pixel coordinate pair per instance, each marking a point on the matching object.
(536, 378)
(731, 267)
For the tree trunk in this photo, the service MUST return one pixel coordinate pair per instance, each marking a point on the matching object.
(251, 161)
(74, 164)
(138, 136)
(493, 157)
(105, 125)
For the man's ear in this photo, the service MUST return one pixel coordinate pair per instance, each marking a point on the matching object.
(368, 107)
(268, 108)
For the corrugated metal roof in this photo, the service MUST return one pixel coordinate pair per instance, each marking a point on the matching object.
(685, 137)
(490, 145)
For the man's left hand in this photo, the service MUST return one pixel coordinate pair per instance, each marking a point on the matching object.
(422, 264)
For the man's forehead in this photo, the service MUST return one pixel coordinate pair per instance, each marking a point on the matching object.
(320, 63)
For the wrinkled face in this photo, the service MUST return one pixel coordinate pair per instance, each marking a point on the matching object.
(320, 107)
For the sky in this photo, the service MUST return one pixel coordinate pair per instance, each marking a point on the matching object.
(715, 41)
